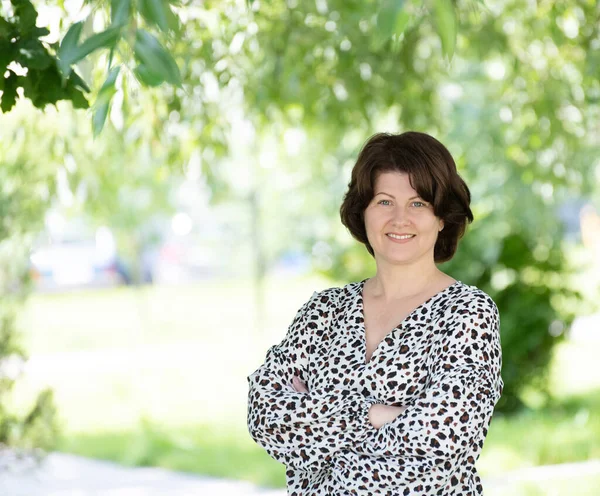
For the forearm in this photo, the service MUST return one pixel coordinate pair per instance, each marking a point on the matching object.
(303, 430)
(453, 412)
(437, 426)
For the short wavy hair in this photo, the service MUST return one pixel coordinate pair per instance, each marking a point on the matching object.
(432, 174)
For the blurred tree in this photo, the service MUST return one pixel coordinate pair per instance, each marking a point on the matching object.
(116, 184)
(25, 189)
(294, 88)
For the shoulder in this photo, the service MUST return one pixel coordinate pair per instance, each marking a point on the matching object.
(334, 294)
(473, 301)
(333, 297)
(473, 312)
(472, 325)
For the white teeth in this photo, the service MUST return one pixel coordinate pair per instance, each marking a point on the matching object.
(406, 236)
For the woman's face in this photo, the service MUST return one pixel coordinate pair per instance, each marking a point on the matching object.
(395, 211)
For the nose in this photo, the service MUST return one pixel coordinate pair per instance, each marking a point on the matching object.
(401, 216)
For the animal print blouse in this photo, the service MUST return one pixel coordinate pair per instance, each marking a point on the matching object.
(442, 361)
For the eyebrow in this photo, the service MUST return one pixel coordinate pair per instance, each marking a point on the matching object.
(392, 196)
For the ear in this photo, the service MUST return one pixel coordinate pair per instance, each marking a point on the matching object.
(441, 225)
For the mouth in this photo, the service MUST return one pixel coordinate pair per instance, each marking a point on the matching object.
(400, 237)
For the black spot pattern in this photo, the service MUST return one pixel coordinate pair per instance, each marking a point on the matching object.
(442, 361)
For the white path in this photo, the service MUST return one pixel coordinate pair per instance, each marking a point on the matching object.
(67, 475)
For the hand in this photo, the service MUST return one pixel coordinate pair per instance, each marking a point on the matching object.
(383, 414)
(298, 385)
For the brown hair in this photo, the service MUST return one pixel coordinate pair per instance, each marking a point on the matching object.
(432, 174)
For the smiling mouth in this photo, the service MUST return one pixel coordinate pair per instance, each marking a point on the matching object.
(403, 237)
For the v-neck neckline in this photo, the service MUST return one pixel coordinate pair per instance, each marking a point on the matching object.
(361, 310)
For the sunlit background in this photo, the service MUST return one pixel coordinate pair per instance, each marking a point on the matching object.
(146, 270)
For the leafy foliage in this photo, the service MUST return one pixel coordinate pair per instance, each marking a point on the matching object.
(45, 71)
(71, 52)
(155, 64)
(22, 50)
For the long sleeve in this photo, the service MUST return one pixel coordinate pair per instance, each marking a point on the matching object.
(302, 430)
(452, 415)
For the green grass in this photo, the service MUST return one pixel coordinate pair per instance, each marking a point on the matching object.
(129, 317)
(208, 450)
(560, 434)
(157, 376)
(566, 431)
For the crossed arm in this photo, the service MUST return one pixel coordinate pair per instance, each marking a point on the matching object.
(307, 429)
(378, 414)
(303, 430)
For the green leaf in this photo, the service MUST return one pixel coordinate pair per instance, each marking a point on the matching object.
(78, 81)
(157, 63)
(77, 98)
(44, 87)
(39, 32)
(32, 54)
(68, 45)
(173, 21)
(71, 39)
(120, 11)
(105, 39)
(155, 12)
(386, 17)
(387, 21)
(102, 104)
(27, 16)
(71, 54)
(47, 86)
(445, 18)
(108, 87)
(7, 53)
(9, 92)
(402, 21)
(5, 28)
(99, 118)
(146, 76)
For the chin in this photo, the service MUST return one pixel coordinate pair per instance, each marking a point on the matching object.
(395, 260)
(404, 258)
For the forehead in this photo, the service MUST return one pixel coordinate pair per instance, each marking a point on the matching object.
(394, 183)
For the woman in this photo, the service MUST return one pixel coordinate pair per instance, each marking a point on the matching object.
(387, 386)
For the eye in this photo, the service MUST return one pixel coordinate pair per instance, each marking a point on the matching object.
(380, 202)
(419, 203)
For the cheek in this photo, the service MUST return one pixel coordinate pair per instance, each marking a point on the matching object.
(373, 224)
(429, 226)
(369, 219)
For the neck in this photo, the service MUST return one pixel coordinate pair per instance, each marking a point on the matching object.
(394, 282)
